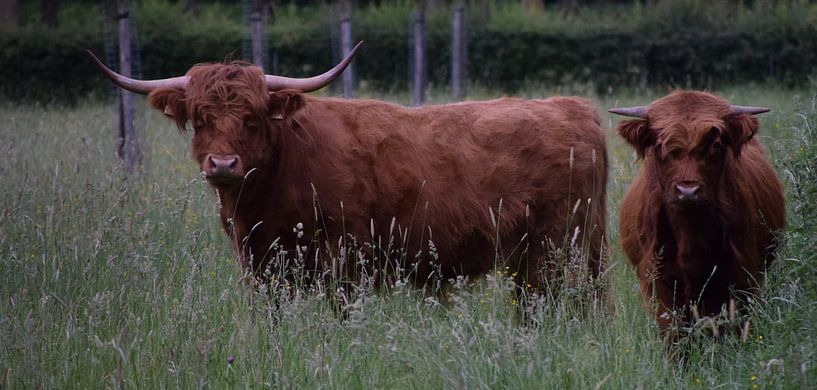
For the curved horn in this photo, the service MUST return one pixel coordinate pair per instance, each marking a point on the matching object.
(143, 87)
(735, 110)
(276, 83)
(635, 112)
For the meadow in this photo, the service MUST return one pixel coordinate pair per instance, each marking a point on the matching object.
(108, 280)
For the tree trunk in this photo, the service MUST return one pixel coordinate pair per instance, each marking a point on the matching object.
(51, 9)
(569, 6)
(8, 14)
(190, 6)
(128, 144)
(419, 53)
(533, 6)
(346, 46)
(257, 31)
(458, 50)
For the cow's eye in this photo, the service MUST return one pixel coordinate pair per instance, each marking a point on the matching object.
(717, 148)
(197, 126)
(676, 153)
(657, 151)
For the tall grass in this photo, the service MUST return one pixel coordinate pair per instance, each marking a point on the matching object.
(108, 281)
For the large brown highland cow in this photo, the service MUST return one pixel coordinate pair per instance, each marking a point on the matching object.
(451, 189)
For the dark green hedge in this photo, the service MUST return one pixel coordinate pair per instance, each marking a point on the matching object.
(37, 64)
(44, 65)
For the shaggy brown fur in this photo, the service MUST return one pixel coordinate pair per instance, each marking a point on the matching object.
(698, 253)
(372, 172)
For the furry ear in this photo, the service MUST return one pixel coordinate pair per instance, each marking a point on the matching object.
(284, 104)
(171, 103)
(637, 133)
(741, 129)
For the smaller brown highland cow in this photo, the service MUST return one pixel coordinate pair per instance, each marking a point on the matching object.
(700, 221)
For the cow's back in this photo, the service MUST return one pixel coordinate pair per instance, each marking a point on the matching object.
(542, 154)
(546, 161)
(442, 171)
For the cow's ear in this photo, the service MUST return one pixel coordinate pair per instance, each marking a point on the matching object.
(170, 102)
(741, 129)
(282, 104)
(638, 134)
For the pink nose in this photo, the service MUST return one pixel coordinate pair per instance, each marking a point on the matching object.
(222, 165)
(687, 192)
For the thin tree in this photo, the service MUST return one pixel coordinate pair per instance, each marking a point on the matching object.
(128, 145)
(569, 6)
(8, 14)
(346, 45)
(533, 6)
(190, 6)
(50, 11)
(458, 51)
(418, 34)
(260, 8)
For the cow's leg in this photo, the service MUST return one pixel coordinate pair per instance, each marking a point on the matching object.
(532, 260)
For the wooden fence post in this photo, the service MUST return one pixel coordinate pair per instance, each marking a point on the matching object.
(257, 32)
(346, 46)
(419, 53)
(458, 50)
(128, 145)
(8, 14)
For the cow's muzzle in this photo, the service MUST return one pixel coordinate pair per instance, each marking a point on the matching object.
(688, 193)
(222, 168)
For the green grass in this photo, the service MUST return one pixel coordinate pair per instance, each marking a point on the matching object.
(108, 281)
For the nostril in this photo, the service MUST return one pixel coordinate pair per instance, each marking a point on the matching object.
(216, 164)
(685, 191)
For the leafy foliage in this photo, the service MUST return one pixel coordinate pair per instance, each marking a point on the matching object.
(688, 43)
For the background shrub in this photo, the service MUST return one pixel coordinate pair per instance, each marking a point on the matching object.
(688, 43)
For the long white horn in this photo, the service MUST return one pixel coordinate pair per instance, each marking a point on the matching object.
(635, 112)
(277, 83)
(143, 87)
(747, 110)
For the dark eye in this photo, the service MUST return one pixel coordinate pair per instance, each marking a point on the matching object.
(676, 153)
(251, 124)
(717, 148)
(657, 151)
(196, 124)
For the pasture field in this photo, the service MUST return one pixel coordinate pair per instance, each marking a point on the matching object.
(128, 282)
